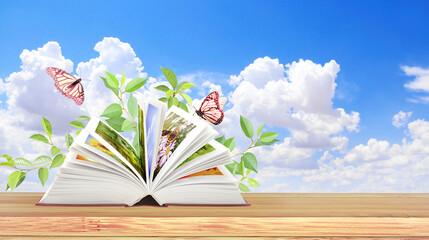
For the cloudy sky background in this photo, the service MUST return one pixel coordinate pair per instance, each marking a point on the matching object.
(345, 84)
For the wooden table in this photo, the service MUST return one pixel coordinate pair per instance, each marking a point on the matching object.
(310, 215)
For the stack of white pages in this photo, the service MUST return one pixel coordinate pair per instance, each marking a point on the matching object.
(177, 162)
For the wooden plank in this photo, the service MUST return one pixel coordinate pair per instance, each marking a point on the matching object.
(215, 226)
(298, 215)
(262, 205)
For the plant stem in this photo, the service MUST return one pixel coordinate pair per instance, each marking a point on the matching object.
(123, 108)
(243, 152)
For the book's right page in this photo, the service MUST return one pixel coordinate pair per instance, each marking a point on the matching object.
(182, 135)
(208, 156)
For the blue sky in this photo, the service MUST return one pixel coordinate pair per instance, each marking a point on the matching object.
(370, 41)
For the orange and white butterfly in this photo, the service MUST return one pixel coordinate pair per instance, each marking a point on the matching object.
(68, 85)
(212, 108)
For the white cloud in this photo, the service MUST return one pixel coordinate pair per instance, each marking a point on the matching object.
(296, 96)
(401, 118)
(261, 71)
(2, 86)
(421, 81)
(377, 166)
(212, 87)
(31, 94)
(285, 154)
(374, 150)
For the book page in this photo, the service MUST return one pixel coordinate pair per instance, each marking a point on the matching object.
(174, 131)
(121, 145)
(97, 145)
(142, 140)
(151, 128)
(200, 152)
(208, 172)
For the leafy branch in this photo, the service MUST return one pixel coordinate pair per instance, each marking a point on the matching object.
(41, 163)
(175, 90)
(248, 161)
(115, 111)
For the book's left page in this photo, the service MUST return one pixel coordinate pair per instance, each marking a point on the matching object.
(150, 118)
(118, 146)
(87, 178)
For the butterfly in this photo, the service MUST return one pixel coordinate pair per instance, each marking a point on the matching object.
(68, 85)
(171, 135)
(212, 108)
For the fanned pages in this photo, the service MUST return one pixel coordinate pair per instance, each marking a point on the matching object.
(177, 162)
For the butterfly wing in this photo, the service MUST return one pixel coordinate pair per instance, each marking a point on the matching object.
(214, 115)
(222, 102)
(211, 108)
(76, 93)
(67, 84)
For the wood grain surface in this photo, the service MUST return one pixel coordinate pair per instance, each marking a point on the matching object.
(315, 215)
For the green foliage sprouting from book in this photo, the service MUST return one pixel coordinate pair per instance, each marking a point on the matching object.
(150, 162)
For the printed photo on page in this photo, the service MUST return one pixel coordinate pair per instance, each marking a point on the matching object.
(151, 127)
(120, 145)
(174, 131)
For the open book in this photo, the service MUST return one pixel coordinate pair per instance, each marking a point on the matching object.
(177, 162)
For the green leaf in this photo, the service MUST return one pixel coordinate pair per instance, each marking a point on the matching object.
(127, 126)
(173, 102)
(183, 106)
(113, 110)
(77, 132)
(246, 126)
(260, 129)
(187, 98)
(83, 118)
(47, 126)
(58, 161)
(22, 162)
(162, 88)
(240, 168)
(111, 80)
(260, 143)
(8, 158)
(135, 84)
(268, 136)
(7, 164)
(230, 143)
(69, 140)
(250, 162)
(77, 124)
(40, 138)
(232, 167)
(171, 77)
(41, 159)
(123, 79)
(180, 86)
(169, 93)
(13, 179)
(132, 106)
(21, 179)
(248, 171)
(136, 144)
(43, 175)
(114, 89)
(55, 150)
(163, 99)
(252, 182)
(185, 85)
(221, 139)
(243, 187)
(116, 123)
